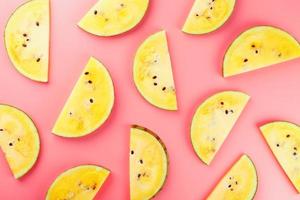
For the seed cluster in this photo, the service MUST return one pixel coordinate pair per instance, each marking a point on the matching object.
(27, 40)
(232, 183)
(91, 100)
(294, 148)
(87, 187)
(141, 161)
(155, 83)
(207, 14)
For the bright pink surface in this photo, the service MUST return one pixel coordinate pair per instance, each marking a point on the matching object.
(197, 62)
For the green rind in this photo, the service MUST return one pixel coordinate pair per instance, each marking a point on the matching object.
(165, 150)
(256, 176)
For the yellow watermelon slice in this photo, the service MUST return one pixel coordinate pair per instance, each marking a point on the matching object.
(27, 39)
(148, 163)
(79, 183)
(259, 47)
(213, 121)
(152, 72)
(208, 15)
(19, 140)
(284, 140)
(240, 182)
(89, 104)
(113, 17)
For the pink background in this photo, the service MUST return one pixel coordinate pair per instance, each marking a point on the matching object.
(197, 62)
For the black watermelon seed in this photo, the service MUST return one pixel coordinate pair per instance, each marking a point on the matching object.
(27, 39)
(295, 153)
(155, 84)
(229, 186)
(37, 23)
(38, 60)
(164, 88)
(279, 55)
(295, 148)
(236, 182)
(139, 175)
(91, 100)
(197, 15)
(132, 152)
(246, 60)
(226, 112)
(277, 145)
(154, 77)
(90, 82)
(1, 129)
(222, 103)
(25, 35)
(288, 135)
(10, 144)
(95, 12)
(24, 45)
(211, 8)
(141, 161)
(253, 45)
(256, 51)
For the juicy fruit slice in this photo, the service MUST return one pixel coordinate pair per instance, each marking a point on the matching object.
(208, 15)
(27, 39)
(82, 182)
(153, 75)
(113, 17)
(284, 140)
(148, 163)
(214, 120)
(19, 140)
(89, 104)
(257, 48)
(240, 182)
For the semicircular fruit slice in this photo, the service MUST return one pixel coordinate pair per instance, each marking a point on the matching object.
(148, 163)
(284, 140)
(19, 140)
(213, 121)
(257, 48)
(240, 182)
(78, 183)
(89, 104)
(27, 39)
(152, 72)
(208, 15)
(113, 17)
